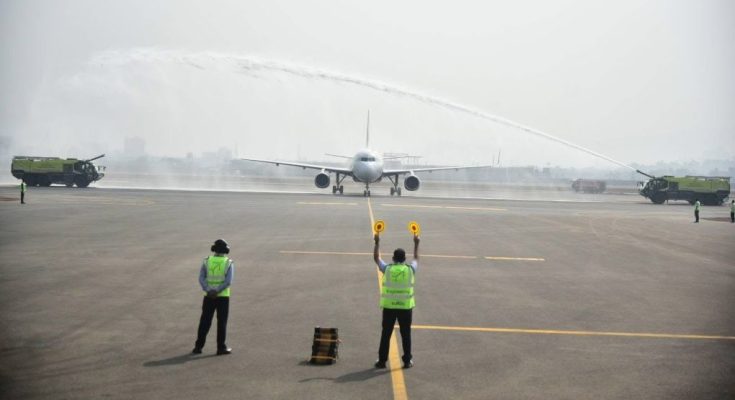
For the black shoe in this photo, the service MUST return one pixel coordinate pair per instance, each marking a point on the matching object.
(408, 364)
(197, 350)
(380, 364)
(224, 350)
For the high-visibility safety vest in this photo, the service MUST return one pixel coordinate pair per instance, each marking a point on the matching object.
(397, 292)
(22, 187)
(216, 272)
(697, 206)
(732, 207)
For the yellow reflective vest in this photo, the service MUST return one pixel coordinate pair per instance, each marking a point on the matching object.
(397, 290)
(216, 272)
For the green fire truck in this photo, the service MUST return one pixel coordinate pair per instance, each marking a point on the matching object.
(44, 171)
(710, 190)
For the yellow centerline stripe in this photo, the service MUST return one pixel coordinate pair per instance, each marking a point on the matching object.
(445, 207)
(396, 373)
(578, 333)
(331, 253)
(347, 253)
(443, 256)
(326, 203)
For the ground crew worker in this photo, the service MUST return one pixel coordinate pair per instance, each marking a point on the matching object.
(215, 278)
(697, 206)
(397, 299)
(23, 189)
(732, 211)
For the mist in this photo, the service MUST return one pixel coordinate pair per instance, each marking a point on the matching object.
(242, 79)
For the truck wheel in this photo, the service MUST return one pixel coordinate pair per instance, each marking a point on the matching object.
(658, 198)
(81, 182)
(45, 181)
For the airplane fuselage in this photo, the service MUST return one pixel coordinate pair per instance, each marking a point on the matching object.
(366, 166)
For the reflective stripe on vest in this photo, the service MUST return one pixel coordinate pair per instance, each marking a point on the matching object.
(216, 273)
(397, 291)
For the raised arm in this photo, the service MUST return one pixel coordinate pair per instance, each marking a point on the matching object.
(416, 241)
(376, 249)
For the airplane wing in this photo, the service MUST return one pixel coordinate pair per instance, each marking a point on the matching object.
(344, 171)
(410, 171)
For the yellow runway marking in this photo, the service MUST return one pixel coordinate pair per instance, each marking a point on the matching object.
(577, 333)
(444, 207)
(108, 201)
(396, 373)
(319, 203)
(443, 256)
(330, 253)
(515, 258)
(346, 253)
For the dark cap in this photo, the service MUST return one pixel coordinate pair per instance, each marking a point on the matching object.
(220, 247)
(399, 255)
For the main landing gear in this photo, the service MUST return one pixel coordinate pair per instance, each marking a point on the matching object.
(395, 190)
(338, 187)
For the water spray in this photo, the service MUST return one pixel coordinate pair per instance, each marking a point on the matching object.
(253, 65)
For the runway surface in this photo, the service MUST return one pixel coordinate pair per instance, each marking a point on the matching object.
(515, 299)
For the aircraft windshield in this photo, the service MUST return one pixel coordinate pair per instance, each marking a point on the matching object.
(367, 159)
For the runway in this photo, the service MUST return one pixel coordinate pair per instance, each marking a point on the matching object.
(612, 298)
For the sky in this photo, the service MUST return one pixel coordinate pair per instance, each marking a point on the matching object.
(638, 82)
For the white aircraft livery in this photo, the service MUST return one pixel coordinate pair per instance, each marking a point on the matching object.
(366, 166)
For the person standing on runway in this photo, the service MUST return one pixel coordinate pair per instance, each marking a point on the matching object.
(215, 278)
(397, 299)
(23, 189)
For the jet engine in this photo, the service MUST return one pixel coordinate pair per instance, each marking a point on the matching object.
(322, 180)
(411, 182)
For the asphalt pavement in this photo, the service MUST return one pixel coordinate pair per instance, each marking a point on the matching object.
(516, 299)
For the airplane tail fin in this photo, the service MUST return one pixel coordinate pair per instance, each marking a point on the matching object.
(367, 136)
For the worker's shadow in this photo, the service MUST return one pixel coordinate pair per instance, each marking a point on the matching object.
(176, 360)
(360, 376)
(357, 376)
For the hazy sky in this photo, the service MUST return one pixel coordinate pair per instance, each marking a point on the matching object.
(639, 81)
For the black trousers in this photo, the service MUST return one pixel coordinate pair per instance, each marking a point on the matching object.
(732, 216)
(696, 215)
(209, 306)
(22, 197)
(404, 318)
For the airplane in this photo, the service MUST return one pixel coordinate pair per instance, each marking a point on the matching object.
(366, 166)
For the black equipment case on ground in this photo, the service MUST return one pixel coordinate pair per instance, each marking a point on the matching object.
(324, 350)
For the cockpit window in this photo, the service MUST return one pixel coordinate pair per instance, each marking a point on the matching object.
(369, 159)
